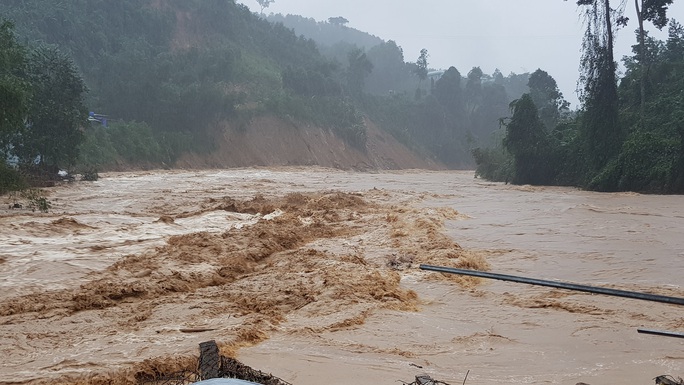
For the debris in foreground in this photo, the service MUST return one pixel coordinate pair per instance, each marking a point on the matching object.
(424, 379)
(668, 380)
(213, 365)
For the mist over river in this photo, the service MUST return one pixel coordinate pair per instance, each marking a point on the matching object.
(198, 249)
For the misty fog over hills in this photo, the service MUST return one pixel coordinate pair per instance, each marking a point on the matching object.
(180, 78)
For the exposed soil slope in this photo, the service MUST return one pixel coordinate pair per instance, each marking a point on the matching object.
(274, 142)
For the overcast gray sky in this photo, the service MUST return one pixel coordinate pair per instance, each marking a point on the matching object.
(512, 35)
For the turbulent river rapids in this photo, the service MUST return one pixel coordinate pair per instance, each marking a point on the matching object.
(312, 275)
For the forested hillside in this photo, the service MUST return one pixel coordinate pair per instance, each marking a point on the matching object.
(171, 76)
(442, 113)
(166, 72)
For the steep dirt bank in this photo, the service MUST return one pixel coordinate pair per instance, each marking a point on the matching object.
(269, 141)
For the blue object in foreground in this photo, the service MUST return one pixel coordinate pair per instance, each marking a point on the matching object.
(225, 381)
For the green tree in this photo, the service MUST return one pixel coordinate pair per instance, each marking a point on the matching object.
(527, 141)
(516, 84)
(654, 11)
(14, 91)
(473, 90)
(495, 105)
(359, 68)
(602, 136)
(339, 20)
(547, 97)
(675, 42)
(389, 69)
(264, 4)
(449, 92)
(421, 69)
(57, 113)
(498, 77)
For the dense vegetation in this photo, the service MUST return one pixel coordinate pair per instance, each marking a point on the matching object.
(169, 71)
(629, 134)
(171, 75)
(41, 110)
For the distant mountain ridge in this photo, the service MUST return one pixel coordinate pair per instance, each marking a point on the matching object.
(326, 33)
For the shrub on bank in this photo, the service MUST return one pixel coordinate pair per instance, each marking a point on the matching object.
(10, 179)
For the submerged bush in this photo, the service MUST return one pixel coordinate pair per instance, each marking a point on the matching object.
(36, 200)
(494, 164)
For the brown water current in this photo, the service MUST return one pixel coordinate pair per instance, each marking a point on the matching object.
(311, 274)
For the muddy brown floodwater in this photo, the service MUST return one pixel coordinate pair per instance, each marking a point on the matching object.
(311, 274)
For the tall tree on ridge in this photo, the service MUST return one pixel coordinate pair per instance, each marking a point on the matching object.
(600, 129)
(547, 97)
(527, 140)
(264, 4)
(422, 66)
(339, 20)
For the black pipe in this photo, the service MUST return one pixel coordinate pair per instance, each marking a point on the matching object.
(560, 285)
(661, 333)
